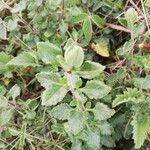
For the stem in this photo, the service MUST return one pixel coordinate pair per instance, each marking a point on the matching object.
(72, 89)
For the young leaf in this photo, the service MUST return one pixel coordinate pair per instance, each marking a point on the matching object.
(141, 126)
(61, 111)
(87, 29)
(76, 145)
(102, 112)
(25, 59)
(98, 21)
(79, 18)
(131, 16)
(53, 95)
(74, 56)
(95, 89)
(14, 92)
(90, 70)
(47, 78)
(142, 83)
(131, 95)
(47, 52)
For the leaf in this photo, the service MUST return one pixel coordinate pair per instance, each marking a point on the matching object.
(142, 83)
(101, 48)
(141, 126)
(3, 102)
(3, 32)
(14, 92)
(76, 123)
(90, 70)
(93, 140)
(147, 4)
(102, 112)
(74, 56)
(12, 25)
(47, 52)
(25, 59)
(76, 145)
(87, 29)
(53, 95)
(98, 21)
(47, 78)
(61, 111)
(95, 89)
(79, 18)
(131, 95)
(131, 16)
(2, 90)
(5, 116)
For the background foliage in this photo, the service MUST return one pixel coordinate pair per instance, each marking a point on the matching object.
(74, 74)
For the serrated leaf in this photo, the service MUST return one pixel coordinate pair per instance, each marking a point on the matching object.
(95, 89)
(3, 102)
(102, 112)
(25, 59)
(75, 124)
(93, 140)
(14, 92)
(61, 111)
(90, 70)
(141, 126)
(48, 52)
(98, 21)
(47, 78)
(79, 18)
(142, 83)
(131, 95)
(53, 95)
(101, 48)
(5, 116)
(3, 32)
(87, 29)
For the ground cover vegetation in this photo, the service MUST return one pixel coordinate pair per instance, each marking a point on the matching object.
(74, 74)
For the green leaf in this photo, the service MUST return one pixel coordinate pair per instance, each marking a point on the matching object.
(12, 25)
(147, 4)
(25, 59)
(61, 111)
(95, 89)
(141, 126)
(76, 145)
(76, 123)
(142, 83)
(79, 18)
(3, 102)
(47, 78)
(3, 32)
(4, 59)
(131, 16)
(93, 140)
(98, 21)
(5, 116)
(2, 90)
(53, 95)
(102, 112)
(90, 70)
(14, 92)
(87, 29)
(47, 52)
(74, 56)
(131, 95)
